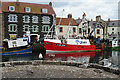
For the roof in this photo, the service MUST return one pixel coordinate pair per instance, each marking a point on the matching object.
(78, 21)
(66, 21)
(94, 24)
(20, 7)
(113, 23)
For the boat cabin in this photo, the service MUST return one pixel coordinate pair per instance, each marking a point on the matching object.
(19, 42)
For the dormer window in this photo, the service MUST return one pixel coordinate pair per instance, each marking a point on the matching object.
(27, 9)
(11, 8)
(44, 10)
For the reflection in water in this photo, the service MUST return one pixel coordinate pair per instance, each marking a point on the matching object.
(115, 59)
(105, 58)
(83, 57)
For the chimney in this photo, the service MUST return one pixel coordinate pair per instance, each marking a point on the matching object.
(50, 4)
(84, 15)
(78, 18)
(108, 19)
(69, 15)
(98, 18)
(17, 2)
(91, 19)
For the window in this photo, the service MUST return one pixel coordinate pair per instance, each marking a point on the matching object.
(35, 19)
(113, 23)
(80, 30)
(45, 28)
(46, 20)
(11, 8)
(98, 31)
(112, 28)
(85, 31)
(12, 18)
(34, 28)
(26, 19)
(44, 10)
(12, 28)
(98, 36)
(74, 30)
(26, 28)
(61, 29)
(27, 9)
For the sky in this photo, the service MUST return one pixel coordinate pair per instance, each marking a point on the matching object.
(92, 8)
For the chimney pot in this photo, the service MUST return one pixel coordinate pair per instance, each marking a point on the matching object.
(108, 19)
(69, 15)
(50, 4)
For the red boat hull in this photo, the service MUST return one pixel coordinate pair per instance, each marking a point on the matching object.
(58, 47)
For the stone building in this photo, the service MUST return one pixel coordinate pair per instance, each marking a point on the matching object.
(19, 18)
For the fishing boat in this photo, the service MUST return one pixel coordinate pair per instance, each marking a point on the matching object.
(71, 45)
(19, 46)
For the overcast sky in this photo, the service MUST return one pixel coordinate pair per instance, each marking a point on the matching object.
(92, 8)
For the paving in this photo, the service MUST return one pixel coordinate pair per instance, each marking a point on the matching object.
(53, 71)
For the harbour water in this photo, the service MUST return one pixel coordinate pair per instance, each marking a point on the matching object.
(105, 58)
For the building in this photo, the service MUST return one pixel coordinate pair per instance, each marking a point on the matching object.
(66, 27)
(113, 29)
(0, 25)
(83, 26)
(98, 30)
(19, 18)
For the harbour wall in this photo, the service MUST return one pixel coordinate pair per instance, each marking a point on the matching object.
(66, 63)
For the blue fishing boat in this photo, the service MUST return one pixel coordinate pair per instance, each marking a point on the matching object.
(19, 46)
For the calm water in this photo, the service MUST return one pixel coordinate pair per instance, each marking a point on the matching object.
(105, 58)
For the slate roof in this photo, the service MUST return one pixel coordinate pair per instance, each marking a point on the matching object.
(113, 23)
(78, 21)
(20, 7)
(66, 21)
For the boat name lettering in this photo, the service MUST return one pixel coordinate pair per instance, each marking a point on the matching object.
(60, 45)
(81, 42)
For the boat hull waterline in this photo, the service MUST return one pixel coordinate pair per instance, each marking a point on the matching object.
(59, 47)
(18, 52)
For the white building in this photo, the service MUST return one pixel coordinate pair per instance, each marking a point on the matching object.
(113, 28)
(66, 27)
(83, 27)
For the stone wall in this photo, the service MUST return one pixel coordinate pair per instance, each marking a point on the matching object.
(0, 29)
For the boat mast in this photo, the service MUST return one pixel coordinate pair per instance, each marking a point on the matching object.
(69, 29)
(53, 26)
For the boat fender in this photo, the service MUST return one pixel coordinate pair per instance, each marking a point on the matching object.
(40, 56)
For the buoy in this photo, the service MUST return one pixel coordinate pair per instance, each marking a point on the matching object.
(40, 56)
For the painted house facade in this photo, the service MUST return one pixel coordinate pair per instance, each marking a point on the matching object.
(83, 27)
(98, 32)
(66, 27)
(113, 29)
(19, 18)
